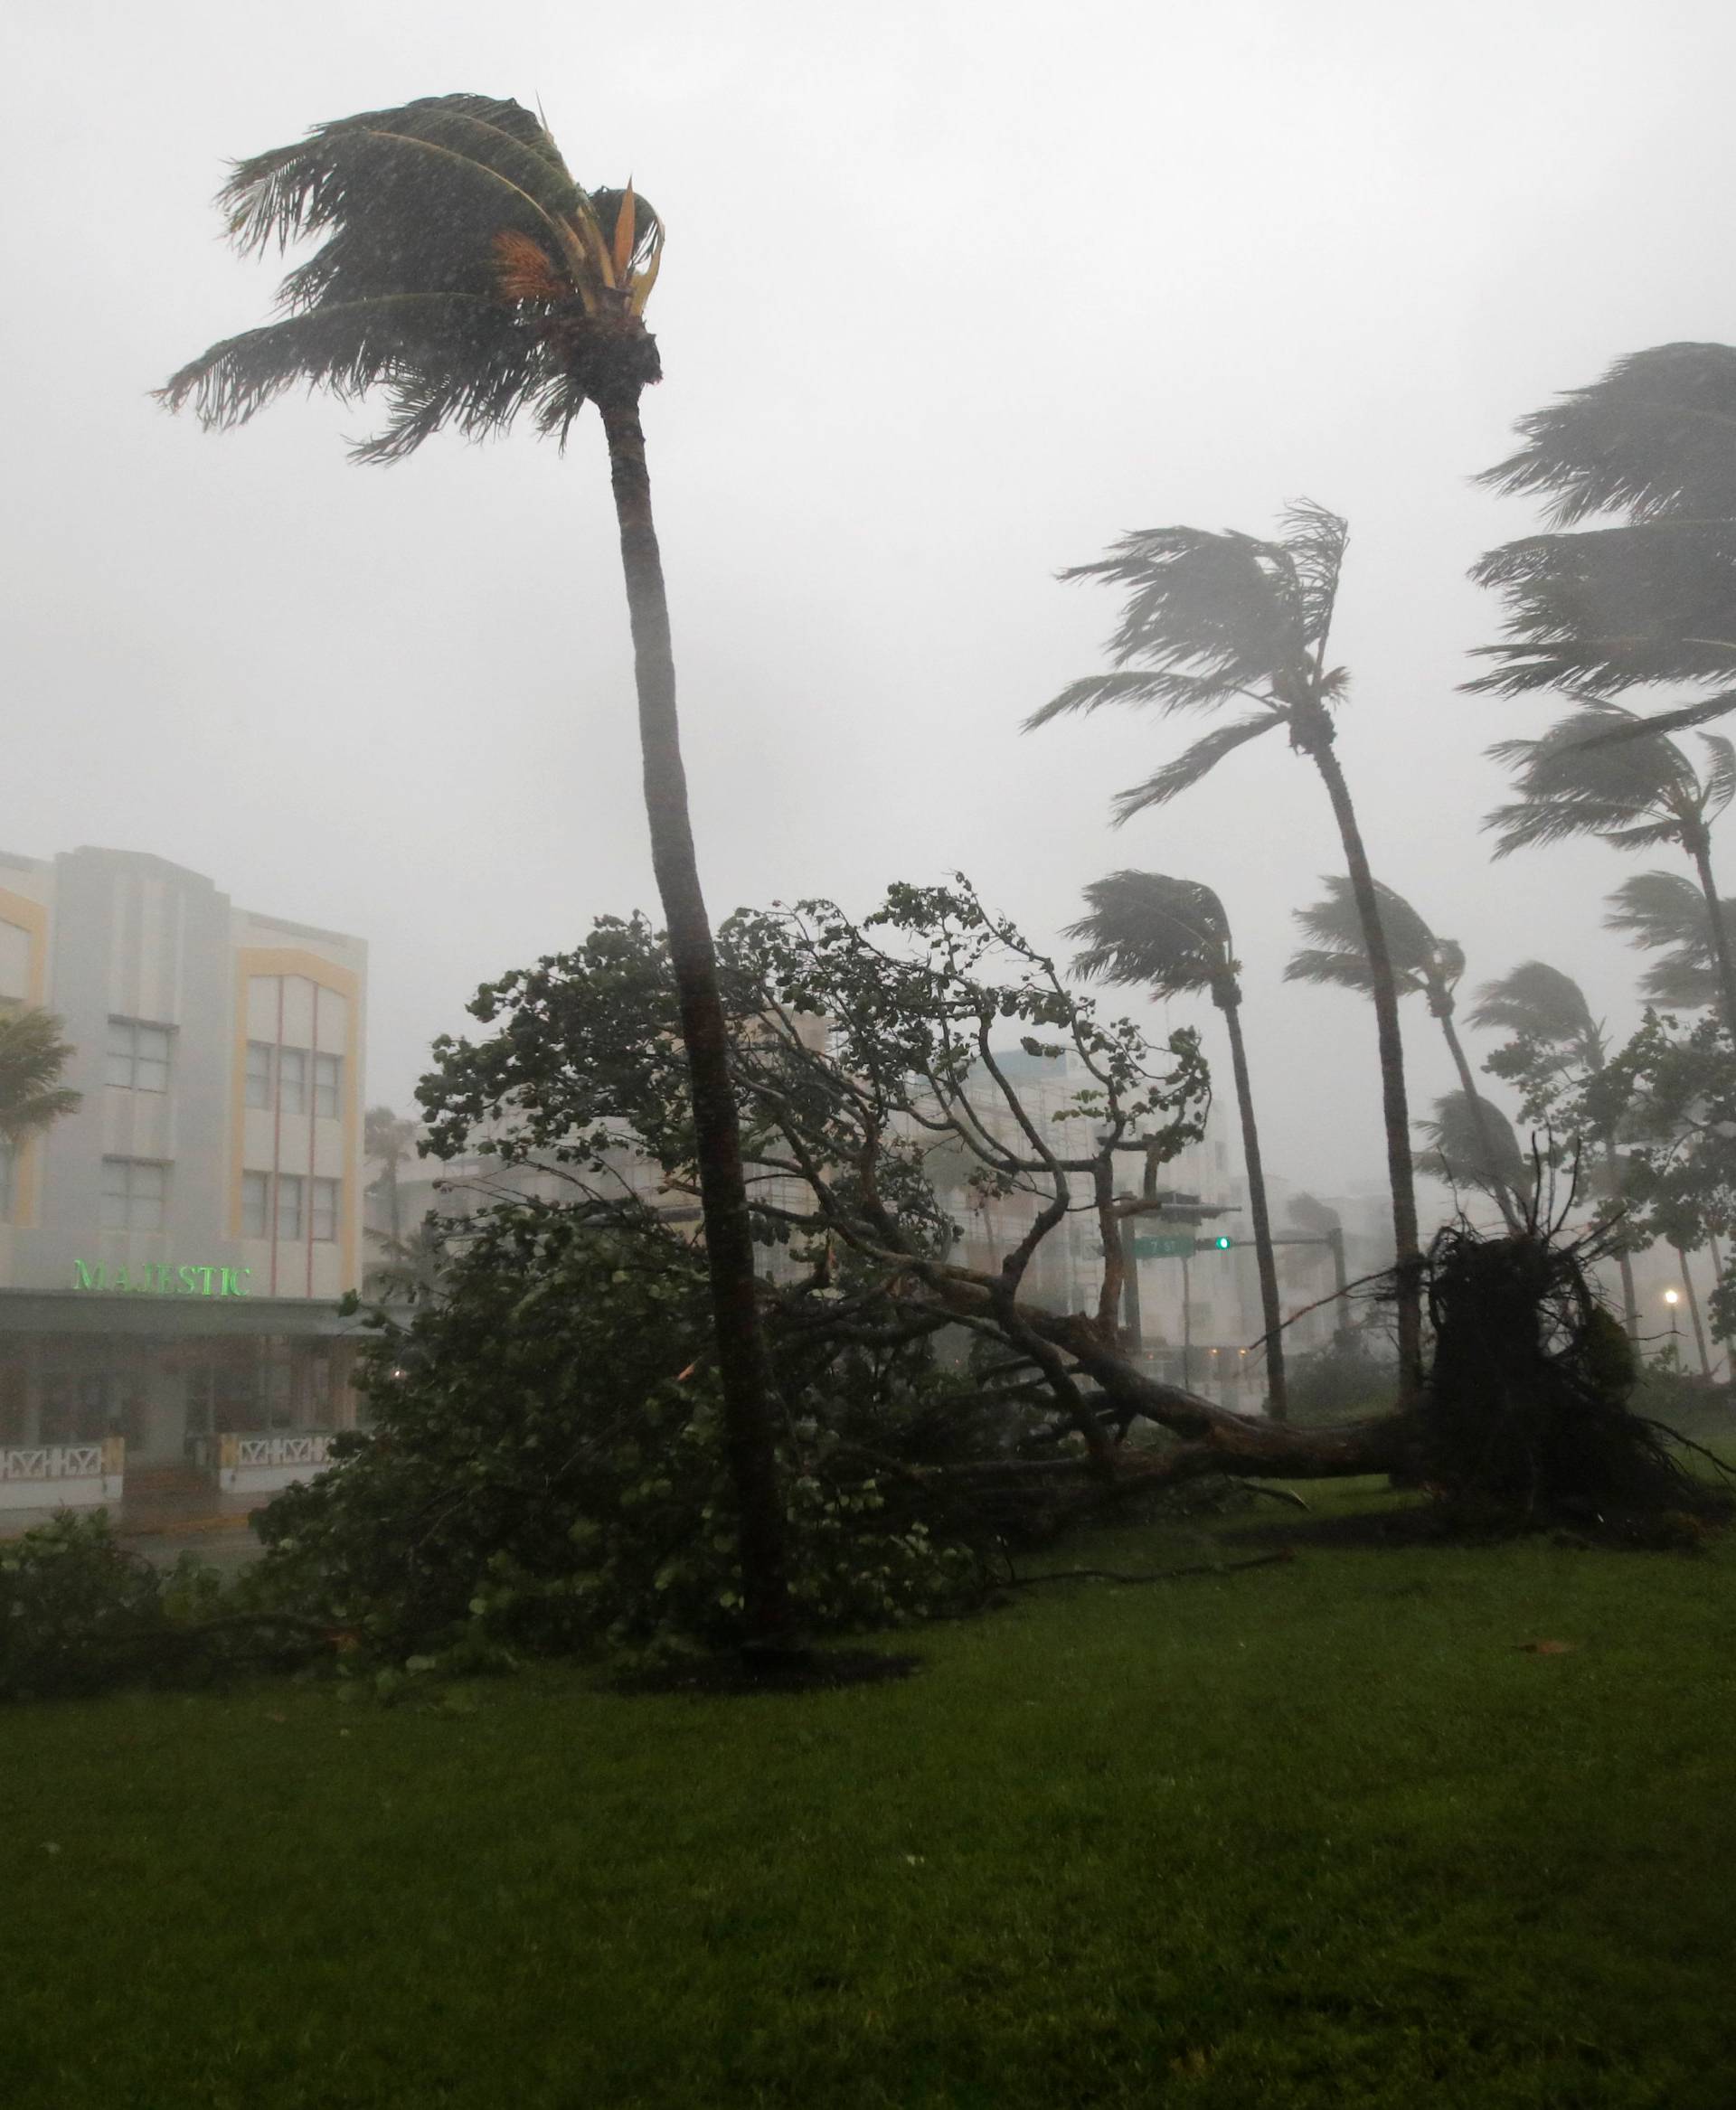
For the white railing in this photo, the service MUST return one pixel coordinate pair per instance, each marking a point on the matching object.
(52, 1461)
(282, 1450)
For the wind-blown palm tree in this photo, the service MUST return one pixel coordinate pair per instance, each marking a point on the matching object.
(1422, 965)
(1212, 619)
(466, 276)
(1637, 793)
(1472, 1144)
(1172, 937)
(1649, 598)
(1666, 913)
(1555, 1045)
(33, 1059)
(388, 1141)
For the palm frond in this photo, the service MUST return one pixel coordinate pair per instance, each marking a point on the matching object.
(462, 273)
(1612, 608)
(33, 1059)
(1335, 970)
(1641, 790)
(1472, 1144)
(1657, 433)
(1720, 780)
(1216, 608)
(1419, 957)
(1535, 1002)
(1666, 913)
(1315, 540)
(1191, 767)
(1660, 909)
(1145, 929)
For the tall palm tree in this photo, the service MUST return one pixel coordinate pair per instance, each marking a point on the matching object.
(1636, 793)
(1555, 1045)
(1172, 937)
(1422, 965)
(1663, 913)
(467, 276)
(1211, 619)
(1647, 597)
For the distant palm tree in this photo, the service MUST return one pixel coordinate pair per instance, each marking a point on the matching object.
(1637, 793)
(1172, 937)
(1214, 618)
(387, 1141)
(33, 1059)
(1647, 597)
(1555, 1045)
(1472, 1144)
(1666, 913)
(467, 276)
(1422, 965)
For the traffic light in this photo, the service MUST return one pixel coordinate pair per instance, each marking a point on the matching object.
(1221, 1244)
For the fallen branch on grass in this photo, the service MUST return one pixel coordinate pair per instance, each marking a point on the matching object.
(1023, 1582)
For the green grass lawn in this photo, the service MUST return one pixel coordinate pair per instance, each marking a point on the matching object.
(1322, 1834)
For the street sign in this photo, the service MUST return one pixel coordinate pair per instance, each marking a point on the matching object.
(1173, 1246)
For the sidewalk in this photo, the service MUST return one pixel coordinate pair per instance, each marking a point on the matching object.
(162, 1526)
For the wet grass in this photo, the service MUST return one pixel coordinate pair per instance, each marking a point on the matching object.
(1322, 1834)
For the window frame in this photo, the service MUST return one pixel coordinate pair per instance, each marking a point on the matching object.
(129, 1194)
(131, 1058)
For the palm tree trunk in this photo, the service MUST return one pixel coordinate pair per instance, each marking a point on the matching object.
(1408, 1257)
(1693, 1311)
(1720, 936)
(1277, 1400)
(742, 1367)
(1477, 1102)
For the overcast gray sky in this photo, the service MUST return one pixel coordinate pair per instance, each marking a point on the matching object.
(954, 294)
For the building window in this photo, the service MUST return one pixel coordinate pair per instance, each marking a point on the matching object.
(134, 1191)
(138, 1056)
(258, 1073)
(324, 1207)
(256, 1205)
(290, 1205)
(328, 1075)
(292, 1080)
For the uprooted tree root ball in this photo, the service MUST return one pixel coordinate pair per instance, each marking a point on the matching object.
(1528, 1419)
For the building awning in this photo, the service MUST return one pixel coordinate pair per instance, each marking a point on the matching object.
(173, 1318)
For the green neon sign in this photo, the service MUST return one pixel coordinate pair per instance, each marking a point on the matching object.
(160, 1279)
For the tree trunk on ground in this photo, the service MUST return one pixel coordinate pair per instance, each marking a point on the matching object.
(742, 1367)
(1720, 936)
(1498, 1188)
(1408, 1256)
(1271, 1312)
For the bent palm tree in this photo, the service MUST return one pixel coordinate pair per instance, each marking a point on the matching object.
(466, 275)
(1650, 600)
(1556, 1046)
(1637, 793)
(1472, 1144)
(1422, 965)
(1666, 913)
(1172, 937)
(1214, 619)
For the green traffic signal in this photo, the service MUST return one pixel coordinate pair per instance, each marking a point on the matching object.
(1221, 1244)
